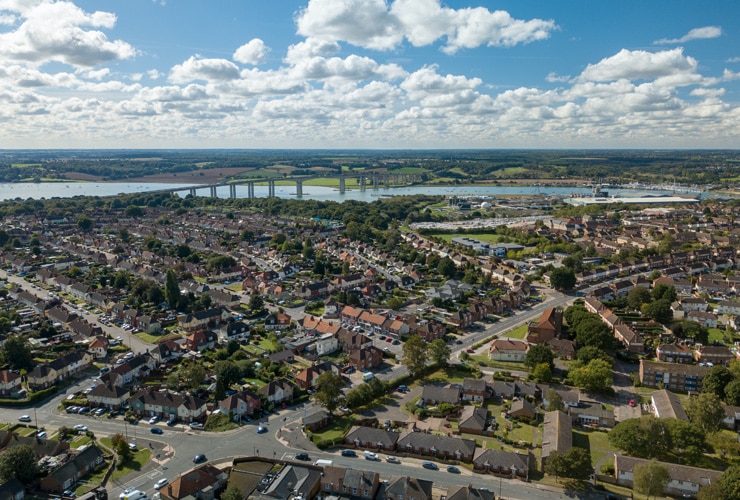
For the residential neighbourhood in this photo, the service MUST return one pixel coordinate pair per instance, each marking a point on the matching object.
(438, 353)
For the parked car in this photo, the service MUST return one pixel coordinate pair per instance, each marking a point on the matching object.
(154, 420)
(196, 425)
(302, 455)
(453, 469)
(392, 460)
(162, 482)
(156, 430)
(172, 421)
(369, 455)
(349, 453)
(41, 435)
(25, 418)
(199, 458)
(430, 465)
(132, 447)
(80, 427)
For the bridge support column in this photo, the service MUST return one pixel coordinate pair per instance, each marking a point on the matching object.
(271, 188)
(192, 192)
(341, 185)
(375, 181)
(299, 188)
(232, 190)
(213, 191)
(362, 181)
(250, 190)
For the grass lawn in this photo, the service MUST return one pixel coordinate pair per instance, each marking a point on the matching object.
(139, 460)
(483, 360)
(335, 431)
(452, 373)
(517, 333)
(257, 383)
(716, 335)
(596, 442)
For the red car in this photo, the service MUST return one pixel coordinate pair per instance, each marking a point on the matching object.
(632, 403)
(388, 339)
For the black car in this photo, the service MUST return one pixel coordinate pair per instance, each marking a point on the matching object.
(349, 453)
(200, 458)
(429, 465)
(302, 455)
(156, 430)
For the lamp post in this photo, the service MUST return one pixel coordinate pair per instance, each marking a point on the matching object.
(35, 420)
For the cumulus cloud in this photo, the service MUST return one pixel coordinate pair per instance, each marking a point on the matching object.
(639, 64)
(197, 68)
(311, 47)
(253, 52)
(695, 34)
(375, 25)
(59, 31)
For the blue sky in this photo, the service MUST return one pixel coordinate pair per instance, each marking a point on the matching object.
(380, 74)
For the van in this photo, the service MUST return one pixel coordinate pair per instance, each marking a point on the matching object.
(135, 495)
(368, 377)
(323, 463)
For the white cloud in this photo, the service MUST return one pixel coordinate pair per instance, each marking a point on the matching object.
(373, 24)
(733, 59)
(196, 68)
(311, 47)
(695, 34)
(56, 31)
(8, 19)
(253, 52)
(639, 64)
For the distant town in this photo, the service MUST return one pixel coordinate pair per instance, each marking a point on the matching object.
(180, 345)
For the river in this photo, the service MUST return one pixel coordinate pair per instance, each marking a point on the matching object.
(47, 190)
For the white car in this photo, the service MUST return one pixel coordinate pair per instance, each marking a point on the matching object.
(80, 427)
(162, 482)
(25, 418)
(154, 420)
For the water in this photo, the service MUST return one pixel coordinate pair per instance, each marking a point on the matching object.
(44, 190)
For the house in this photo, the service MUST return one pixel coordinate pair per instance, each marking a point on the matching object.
(684, 480)
(108, 395)
(557, 434)
(563, 348)
(306, 378)
(728, 307)
(279, 321)
(203, 319)
(326, 344)
(278, 391)
(503, 463)
(508, 350)
(317, 419)
(434, 395)
(200, 340)
(503, 389)
(521, 408)
(365, 358)
(346, 482)
(186, 408)
(12, 490)
(546, 328)
(406, 488)
(672, 376)
(475, 389)
(371, 438)
(63, 477)
(706, 319)
(10, 384)
(666, 404)
(232, 330)
(241, 404)
(714, 355)
(468, 492)
(473, 420)
(674, 353)
(593, 415)
(98, 346)
(431, 445)
(202, 483)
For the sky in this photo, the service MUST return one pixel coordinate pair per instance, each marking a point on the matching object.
(369, 74)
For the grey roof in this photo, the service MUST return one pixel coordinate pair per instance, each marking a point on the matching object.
(443, 444)
(668, 405)
(372, 435)
(409, 487)
(501, 458)
(557, 434)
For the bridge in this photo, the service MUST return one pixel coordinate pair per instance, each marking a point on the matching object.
(373, 179)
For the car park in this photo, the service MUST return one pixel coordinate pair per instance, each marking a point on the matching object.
(25, 418)
(80, 427)
(392, 460)
(349, 453)
(199, 458)
(156, 430)
(429, 465)
(453, 469)
(161, 483)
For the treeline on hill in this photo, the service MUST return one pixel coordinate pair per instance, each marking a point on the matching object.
(682, 167)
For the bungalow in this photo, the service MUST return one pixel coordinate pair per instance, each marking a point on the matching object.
(503, 463)
(684, 480)
(667, 405)
(316, 420)
(430, 445)
(473, 420)
(405, 487)
(521, 408)
(81, 464)
(371, 438)
(469, 492)
(508, 350)
(593, 415)
(433, 395)
(557, 434)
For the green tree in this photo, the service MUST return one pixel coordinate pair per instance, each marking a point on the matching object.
(232, 493)
(716, 380)
(19, 462)
(730, 481)
(660, 311)
(591, 331)
(446, 267)
(85, 223)
(644, 437)
(192, 374)
(133, 211)
(591, 352)
(227, 372)
(328, 390)
(637, 297)
(578, 461)
(706, 412)
(651, 478)
(596, 376)
(255, 302)
(172, 289)
(247, 236)
(563, 278)
(712, 491)
(439, 352)
(16, 353)
(542, 372)
(556, 465)
(414, 354)
(686, 437)
(538, 354)
(554, 400)
(732, 393)
(664, 292)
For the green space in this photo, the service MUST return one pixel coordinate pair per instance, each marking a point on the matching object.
(410, 170)
(140, 458)
(487, 238)
(453, 373)
(517, 333)
(596, 442)
(333, 433)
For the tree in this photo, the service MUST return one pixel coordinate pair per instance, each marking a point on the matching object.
(85, 223)
(691, 330)
(651, 478)
(172, 289)
(732, 393)
(446, 267)
(232, 493)
(439, 352)
(19, 462)
(637, 297)
(660, 311)
(556, 465)
(554, 400)
(227, 372)
(328, 390)
(414, 354)
(591, 331)
(596, 376)
(542, 372)
(591, 352)
(706, 412)
(255, 302)
(662, 291)
(578, 461)
(193, 374)
(644, 437)
(686, 437)
(538, 354)
(563, 278)
(712, 491)
(730, 481)
(16, 352)
(716, 380)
